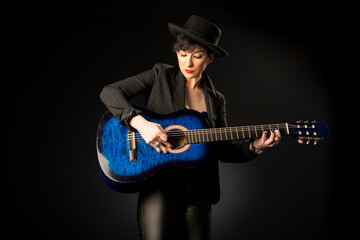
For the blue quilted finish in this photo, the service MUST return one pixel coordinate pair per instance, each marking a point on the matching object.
(114, 146)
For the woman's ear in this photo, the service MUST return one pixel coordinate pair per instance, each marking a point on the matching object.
(211, 58)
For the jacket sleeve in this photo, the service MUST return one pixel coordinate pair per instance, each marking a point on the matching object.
(234, 151)
(116, 95)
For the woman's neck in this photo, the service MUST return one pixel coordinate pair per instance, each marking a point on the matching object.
(193, 83)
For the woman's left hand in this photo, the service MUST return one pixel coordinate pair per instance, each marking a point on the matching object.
(266, 141)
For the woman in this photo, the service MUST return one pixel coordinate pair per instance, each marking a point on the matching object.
(176, 203)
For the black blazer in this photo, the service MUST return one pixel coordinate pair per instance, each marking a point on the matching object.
(164, 90)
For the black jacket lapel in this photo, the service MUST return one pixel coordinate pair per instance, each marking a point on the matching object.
(178, 91)
(211, 101)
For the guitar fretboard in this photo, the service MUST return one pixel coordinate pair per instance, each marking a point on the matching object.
(232, 133)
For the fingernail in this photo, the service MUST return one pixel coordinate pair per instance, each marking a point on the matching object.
(165, 152)
(272, 130)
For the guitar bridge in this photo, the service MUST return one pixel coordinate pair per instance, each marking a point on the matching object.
(132, 146)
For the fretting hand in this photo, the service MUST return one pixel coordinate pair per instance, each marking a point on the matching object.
(266, 141)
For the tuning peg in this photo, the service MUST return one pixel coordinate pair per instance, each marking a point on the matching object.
(316, 141)
(299, 121)
(300, 141)
(308, 141)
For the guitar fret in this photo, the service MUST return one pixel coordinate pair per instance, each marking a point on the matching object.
(287, 128)
(237, 133)
(256, 134)
(232, 138)
(225, 134)
(249, 131)
(259, 131)
(242, 129)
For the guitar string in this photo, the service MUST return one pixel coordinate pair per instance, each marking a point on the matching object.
(199, 139)
(228, 130)
(214, 130)
(245, 128)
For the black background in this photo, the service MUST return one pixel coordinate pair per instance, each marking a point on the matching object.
(282, 65)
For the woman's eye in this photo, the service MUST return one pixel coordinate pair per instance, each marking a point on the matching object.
(183, 55)
(198, 57)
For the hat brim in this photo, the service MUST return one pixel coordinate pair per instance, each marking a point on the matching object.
(175, 30)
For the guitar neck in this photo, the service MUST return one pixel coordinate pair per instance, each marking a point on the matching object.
(232, 133)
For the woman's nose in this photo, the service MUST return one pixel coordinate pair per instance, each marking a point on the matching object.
(190, 62)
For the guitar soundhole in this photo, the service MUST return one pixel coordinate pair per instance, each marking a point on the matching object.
(177, 138)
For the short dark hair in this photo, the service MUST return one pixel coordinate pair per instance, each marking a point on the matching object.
(185, 43)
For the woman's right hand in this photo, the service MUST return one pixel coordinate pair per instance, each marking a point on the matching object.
(152, 133)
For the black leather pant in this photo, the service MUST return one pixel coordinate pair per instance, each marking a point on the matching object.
(173, 210)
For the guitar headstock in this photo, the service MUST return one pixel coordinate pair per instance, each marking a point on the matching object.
(307, 131)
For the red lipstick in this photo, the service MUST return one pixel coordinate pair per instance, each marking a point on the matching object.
(189, 71)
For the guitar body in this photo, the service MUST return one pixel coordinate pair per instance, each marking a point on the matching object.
(114, 156)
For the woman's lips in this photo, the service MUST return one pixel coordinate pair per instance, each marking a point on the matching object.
(189, 71)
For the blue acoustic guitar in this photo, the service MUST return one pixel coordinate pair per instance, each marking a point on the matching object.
(126, 160)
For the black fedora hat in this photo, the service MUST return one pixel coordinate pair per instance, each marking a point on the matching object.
(202, 31)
